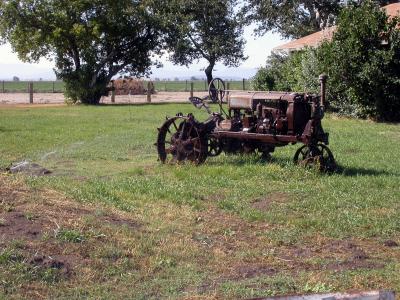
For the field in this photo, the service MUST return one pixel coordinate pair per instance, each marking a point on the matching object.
(166, 86)
(111, 222)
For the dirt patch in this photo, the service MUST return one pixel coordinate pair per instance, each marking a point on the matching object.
(30, 226)
(16, 225)
(117, 221)
(390, 243)
(62, 263)
(251, 271)
(263, 204)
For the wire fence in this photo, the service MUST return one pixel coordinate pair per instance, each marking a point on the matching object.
(198, 85)
(159, 85)
(38, 86)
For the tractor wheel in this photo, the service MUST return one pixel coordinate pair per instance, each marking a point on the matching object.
(318, 156)
(179, 140)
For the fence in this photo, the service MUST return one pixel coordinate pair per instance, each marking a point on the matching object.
(38, 86)
(166, 86)
(48, 87)
(198, 85)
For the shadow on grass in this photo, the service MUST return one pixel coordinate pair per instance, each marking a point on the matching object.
(360, 171)
(250, 159)
(242, 160)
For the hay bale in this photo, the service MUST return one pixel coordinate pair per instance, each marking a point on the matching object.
(131, 86)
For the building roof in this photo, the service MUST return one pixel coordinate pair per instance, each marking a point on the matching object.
(316, 38)
(392, 10)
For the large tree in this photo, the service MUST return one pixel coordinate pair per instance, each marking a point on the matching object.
(296, 18)
(292, 19)
(205, 29)
(90, 41)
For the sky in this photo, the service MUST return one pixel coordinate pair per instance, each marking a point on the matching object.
(257, 49)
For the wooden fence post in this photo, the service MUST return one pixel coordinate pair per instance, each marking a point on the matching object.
(112, 92)
(54, 90)
(244, 85)
(186, 87)
(30, 90)
(148, 91)
(3, 88)
(191, 89)
(205, 85)
(165, 86)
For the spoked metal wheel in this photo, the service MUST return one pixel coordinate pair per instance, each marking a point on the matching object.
(216, 90)
(179, 140)
(318, 156)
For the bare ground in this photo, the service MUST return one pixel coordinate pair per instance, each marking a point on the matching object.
(58, 98)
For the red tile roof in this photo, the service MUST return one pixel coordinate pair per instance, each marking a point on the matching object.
(392, 10)
(316, 38)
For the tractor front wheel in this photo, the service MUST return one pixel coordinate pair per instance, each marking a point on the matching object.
(318, 155)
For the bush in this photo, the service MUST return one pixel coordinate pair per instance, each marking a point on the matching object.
(298, 71)
(362, 62)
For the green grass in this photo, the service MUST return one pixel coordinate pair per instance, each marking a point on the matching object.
(105, 155)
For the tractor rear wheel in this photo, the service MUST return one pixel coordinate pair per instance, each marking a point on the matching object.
(180, 140)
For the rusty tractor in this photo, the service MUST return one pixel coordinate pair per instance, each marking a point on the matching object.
(252, 121)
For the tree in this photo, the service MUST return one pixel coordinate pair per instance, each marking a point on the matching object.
(208, 29)
(363, 61)
(90, 41)
(15, 78)
(292, 19)
(297, 18)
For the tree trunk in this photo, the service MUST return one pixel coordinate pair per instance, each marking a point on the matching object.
(212, 91)
(208, 72)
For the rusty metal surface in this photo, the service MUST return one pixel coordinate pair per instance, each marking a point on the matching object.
(254, 122)
(372, 295)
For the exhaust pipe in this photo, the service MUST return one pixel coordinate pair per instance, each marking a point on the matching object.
(323, 78)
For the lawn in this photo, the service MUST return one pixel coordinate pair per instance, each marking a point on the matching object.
(124, 226)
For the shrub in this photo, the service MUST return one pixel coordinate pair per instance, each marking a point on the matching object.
(362, 62)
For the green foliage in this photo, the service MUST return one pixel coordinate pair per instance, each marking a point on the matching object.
(292, 18)
(205, 29)
(89, 40)
(296, 18)
(362, 61)
(273, 76)
(69, 235)
(298, 71)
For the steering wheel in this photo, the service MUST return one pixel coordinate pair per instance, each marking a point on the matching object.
(216, 90)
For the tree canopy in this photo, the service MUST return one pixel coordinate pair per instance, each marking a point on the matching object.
(90, 41)
(209, 29)
(362, 61)
(297, 18)
(292, 19)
